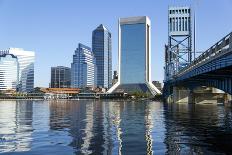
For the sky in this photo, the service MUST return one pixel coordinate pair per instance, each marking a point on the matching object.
(53, 28)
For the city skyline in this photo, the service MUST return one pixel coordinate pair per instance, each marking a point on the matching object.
(30, 29)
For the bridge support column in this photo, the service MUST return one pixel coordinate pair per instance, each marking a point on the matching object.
(191, 97)
(183, 95)
(228, 100)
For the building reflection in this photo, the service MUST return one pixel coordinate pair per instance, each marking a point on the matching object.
(87, 122)
(135, 126)
(16, 126)
(149, 126)
(69, 116)
(114, 127)
(98, 127)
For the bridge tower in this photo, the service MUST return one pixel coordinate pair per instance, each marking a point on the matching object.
(178, 51)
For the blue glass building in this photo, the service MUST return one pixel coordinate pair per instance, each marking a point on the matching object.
(101, 46)
(134, 56)
(83, 68)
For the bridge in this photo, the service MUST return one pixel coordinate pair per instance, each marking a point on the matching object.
(213, 68)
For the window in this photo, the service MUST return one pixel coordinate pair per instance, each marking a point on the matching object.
(133, 54)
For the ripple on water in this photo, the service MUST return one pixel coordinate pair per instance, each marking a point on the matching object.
(113, 127)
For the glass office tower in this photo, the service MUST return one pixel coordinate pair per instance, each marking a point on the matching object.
(134, 56)
(60, 77)
(8, 72)
(101, 46)
(83, 68)
(26, 61)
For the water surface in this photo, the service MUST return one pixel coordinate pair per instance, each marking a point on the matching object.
(113, 127)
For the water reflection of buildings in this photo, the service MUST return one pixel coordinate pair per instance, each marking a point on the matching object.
(16, 126)
(87, 122)
(135, 128)
(98, 127)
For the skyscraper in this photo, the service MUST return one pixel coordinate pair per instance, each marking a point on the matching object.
(101, 46)
(26, 68)
(8, 72)
(134, 56)
(60, 77)
(83, 68)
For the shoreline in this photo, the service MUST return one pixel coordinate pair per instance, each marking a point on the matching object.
(101, 99)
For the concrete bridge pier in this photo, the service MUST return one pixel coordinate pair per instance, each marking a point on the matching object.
(228, 100)
(200, 95)
(183, 95)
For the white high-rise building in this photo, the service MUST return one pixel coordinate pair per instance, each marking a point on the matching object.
(134, 56)
(8, 72)
(26, 61)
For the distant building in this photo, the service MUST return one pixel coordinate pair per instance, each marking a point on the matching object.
(115, 78)
(157, 84)
(26, 68)
(60, 77)
(9, 69)
(83, 68)
(134, 57)
(69, 91)
(101, 46)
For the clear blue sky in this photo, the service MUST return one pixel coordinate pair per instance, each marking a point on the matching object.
(53, 28)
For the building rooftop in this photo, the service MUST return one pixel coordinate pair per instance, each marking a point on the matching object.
(134, 20)
(101, 27)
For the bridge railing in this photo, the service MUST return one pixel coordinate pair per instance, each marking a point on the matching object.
(218, 48)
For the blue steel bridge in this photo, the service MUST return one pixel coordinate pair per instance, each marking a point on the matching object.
(213, 68)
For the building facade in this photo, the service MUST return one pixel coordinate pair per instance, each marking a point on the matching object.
(9, 69)
(60, 77)
(115, 78)
(101, 46)
(134, 56)
(83, 68)
(26, 61)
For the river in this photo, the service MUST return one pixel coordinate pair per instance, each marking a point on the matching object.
(113, 127)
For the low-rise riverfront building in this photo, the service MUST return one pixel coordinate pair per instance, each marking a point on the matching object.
(115, 78)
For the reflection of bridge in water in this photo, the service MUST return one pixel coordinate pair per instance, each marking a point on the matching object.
(197, 129)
